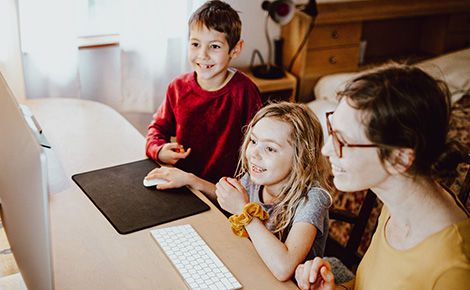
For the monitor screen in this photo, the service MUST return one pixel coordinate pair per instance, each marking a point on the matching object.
(24, 194)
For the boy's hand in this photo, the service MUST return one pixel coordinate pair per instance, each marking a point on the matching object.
(172, 152)
(231, 195)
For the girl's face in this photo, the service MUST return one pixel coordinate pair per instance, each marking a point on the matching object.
(209, 56)
(270, 153)
(359, 168)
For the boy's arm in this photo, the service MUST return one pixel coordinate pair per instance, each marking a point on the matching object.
(160, 130)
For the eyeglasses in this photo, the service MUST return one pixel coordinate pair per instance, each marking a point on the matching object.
(337, 143)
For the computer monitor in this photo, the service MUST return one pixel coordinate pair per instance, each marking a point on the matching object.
(24, 194)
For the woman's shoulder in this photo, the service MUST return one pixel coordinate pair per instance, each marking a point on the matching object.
(451, 247)
(463, 230)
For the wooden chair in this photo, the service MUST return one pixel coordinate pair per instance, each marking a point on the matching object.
(348, 254)
(465, 189)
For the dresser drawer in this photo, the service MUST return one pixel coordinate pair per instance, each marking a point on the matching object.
(335, 35)
(459, 23)
(457, 41)
(326, 61)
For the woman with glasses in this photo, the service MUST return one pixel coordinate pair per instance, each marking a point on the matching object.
(388, 133)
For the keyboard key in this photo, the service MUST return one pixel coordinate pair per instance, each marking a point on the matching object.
(197, 264)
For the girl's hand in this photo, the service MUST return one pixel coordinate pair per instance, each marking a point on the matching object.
(315, 274)
(231, 195)
(170, 153)
(176, 177)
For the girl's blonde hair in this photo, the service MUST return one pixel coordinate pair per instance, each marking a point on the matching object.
(309, 167)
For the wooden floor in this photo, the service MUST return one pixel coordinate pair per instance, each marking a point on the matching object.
(7, 261)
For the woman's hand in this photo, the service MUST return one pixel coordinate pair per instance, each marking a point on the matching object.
(315, 274)
(171, 153)
(231, 195)
(176, 177)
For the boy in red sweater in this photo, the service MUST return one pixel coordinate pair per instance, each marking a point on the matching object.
(206, 109)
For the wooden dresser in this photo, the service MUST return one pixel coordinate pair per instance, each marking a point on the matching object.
(386, 29)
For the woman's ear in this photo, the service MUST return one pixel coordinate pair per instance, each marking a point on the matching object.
(402, 159)
(237, 49)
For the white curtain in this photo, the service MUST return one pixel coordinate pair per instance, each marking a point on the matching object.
(153, 45)
(48, 31)
(153, 50)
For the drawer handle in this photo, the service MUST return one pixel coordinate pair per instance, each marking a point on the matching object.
(333, 60)
(335, 34)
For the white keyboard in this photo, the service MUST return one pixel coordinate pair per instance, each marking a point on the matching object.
(194, 260)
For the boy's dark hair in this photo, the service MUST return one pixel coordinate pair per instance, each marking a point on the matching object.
(219, 16)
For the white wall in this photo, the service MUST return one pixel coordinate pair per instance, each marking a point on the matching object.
(252, 17)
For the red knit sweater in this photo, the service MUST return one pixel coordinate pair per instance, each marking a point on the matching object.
(210, 123)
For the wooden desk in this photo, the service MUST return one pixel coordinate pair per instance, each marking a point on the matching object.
(88, 253)
(391, 29)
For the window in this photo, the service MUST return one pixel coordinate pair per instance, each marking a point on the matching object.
(99, 22)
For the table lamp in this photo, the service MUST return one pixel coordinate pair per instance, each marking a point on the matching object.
(281, 12)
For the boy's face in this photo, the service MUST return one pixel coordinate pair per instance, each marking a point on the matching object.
(209, 56)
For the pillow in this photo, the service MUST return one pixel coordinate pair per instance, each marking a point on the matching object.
(453, 68)
(327, 86)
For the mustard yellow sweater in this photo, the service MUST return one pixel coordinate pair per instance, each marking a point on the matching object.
(439, 262)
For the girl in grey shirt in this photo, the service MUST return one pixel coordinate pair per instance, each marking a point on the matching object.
(282, 172)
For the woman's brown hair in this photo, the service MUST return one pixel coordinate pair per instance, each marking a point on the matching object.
(404, 107)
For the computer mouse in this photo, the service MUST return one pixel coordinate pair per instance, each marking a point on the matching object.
(154, 182)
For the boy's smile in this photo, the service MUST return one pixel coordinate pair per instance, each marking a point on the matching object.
(210, 57)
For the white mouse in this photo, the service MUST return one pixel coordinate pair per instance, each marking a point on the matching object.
(154, 182)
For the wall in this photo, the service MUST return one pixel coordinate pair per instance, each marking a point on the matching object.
(253, 18)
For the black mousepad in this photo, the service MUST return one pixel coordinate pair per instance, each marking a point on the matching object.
(118, 192)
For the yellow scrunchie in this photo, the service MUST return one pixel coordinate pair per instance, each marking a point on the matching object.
(250, 210)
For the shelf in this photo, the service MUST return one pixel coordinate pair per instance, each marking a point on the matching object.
(283, 89)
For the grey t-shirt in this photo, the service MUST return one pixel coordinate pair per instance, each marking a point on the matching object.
(314, 211)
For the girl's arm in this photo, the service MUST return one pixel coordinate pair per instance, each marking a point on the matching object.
(281, 258)
(178, 178)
